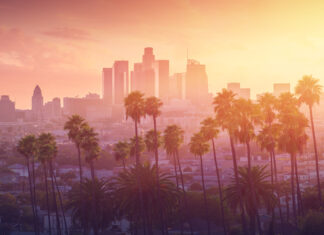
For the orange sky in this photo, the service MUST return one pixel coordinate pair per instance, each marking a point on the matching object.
(62, 45)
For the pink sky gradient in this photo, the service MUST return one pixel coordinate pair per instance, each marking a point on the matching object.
(63, 45)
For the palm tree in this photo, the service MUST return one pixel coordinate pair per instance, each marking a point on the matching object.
(210, 131)
(74, 126)
(103, 196)
(27, 147)
(308, 90)
(199, 147)
(92, 150)
(172, 139)
(135, 108)
(48, 150)
(121, 152)
(226, 116)
(44, 153)
(126, 194)
(293, 136)
(261, 189)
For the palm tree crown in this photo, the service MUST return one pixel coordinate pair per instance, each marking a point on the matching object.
(308, 90)
(152, 106)
(135, 104)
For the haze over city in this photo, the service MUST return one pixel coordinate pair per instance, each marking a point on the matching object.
(161, 117)
(62, 45)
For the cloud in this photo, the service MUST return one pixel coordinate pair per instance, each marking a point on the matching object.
(68, 33)
(29, 51)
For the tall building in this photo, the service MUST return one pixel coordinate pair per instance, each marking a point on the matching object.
(196, 82)
(235, 87)
(107, 86)
(120, 81)
(279, 88)
(177, 86)
(7, 109)
(161, 69)
(52, 109)
(37, 103)
(143, 77)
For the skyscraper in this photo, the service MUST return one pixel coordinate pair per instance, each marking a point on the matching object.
(37, 103)
(161, 69)
(7, 109)
(279, 88)
(196, 82)
(107, 85)
(120, 81)
(235, 87)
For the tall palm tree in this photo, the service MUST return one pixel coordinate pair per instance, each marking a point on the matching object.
(293, 136)
(172, 139)
(48, 150)
(268, 138)
(226, 116)
(199, 147)
(44, 152)
(122, 152)
(105, 206)
(210, 131)
(92, 150)
(126, 194)
(248, 117)
(308, 90)
(135, 108)
(74, 126)
(262, 190)
(27, 147)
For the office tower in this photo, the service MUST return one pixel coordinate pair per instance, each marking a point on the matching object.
(52, 109)
(235, 87)
(148, 58)
(196, 82)
(143, 75)
(7, 109)
(279, 88)
(37, 103)
(161, 69)
(90, 107)
(177, 85)
(120, 81)
(107, 82)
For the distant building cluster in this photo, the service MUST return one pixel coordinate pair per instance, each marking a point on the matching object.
(151, 76)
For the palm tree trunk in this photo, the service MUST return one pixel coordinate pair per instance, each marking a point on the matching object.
(47, 200)
(205, 196)
(219, 188)
(31, 195)
(183, 189)
(175, 169)
(278, 191)
(61, 205)
(292, 181)
(248, 150)
(158, 175)
(58, 224)
(237, 184)
(81, 180)
(94, 211)
(287, 207)
(34, 191)
(124, 164)
(316, 156)
(139, 178)
(271, 168)
(300, 202)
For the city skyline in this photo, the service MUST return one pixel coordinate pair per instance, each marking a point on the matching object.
(63, 46)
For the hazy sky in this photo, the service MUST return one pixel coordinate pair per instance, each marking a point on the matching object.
(62, 45)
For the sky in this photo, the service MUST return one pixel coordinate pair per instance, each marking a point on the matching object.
(63, 45)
